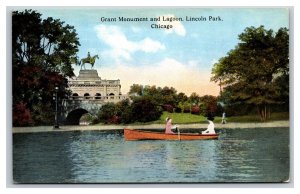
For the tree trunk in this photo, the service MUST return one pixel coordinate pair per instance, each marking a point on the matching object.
(263, 112)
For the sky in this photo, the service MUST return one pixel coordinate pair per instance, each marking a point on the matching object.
(181, 57)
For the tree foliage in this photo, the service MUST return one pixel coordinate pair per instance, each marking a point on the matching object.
(43, 51)
(170, 100)
(107, 112)
(209, 105)
(141, 109)
(194, 99)
(147, 103)
(249, 72)
(161, 96)
(136, 89)
(144, 109)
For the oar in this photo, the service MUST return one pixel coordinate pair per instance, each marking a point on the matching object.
(178, 131)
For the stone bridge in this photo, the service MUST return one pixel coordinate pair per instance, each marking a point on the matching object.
(72, 109)
(89, 93)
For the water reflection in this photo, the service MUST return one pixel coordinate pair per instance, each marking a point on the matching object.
(245, 155)
(41, 158)
(191, 159)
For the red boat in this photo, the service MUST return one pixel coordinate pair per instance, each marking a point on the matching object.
(133, 134)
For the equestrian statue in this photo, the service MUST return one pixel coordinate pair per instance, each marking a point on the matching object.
(88, 59)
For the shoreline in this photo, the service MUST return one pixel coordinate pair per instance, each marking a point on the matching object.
(40, 129)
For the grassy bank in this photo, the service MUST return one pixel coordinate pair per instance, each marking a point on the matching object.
(186, 118)
(255, 118)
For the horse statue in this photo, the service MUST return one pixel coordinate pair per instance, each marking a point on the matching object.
(88, 59)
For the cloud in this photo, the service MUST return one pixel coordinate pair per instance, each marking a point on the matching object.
(178, 28)
(184, 77)
(123, 48)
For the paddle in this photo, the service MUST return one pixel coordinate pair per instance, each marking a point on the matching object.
(178, 132)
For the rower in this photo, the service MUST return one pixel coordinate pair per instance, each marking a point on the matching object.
(211, 126)
(169, 127)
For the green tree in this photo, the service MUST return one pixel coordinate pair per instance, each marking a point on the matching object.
(181, 97)
(124, 111)
(185, 106)
(107, 112)
(144, 109)
(249, 72)
(169, 96)
(194, 99)
(43, 51)
(154, 92)
(208, 105)
(136, 89)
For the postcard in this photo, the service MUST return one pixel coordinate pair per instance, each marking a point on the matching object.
(150, 95)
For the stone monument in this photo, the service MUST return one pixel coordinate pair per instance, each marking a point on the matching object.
(89, 86)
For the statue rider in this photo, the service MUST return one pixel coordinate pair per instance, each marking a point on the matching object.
(89, 56)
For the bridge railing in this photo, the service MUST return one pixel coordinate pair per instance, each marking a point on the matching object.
(96, 82)
(98, 98)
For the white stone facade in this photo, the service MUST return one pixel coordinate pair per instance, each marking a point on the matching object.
(89, 86)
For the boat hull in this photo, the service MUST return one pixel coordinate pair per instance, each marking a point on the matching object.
(134, 135)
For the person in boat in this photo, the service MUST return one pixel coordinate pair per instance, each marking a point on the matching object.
(211, 126)
(169, 126)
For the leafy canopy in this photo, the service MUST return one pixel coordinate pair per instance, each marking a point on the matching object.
(251, 70)
(43, 51)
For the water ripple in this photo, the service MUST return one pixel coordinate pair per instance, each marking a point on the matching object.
(246, 155)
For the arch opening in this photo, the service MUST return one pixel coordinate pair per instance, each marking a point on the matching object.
(87, 96)
(111, 95)
(74, 116)
(98, 96)
(87, 119)
(75, 96)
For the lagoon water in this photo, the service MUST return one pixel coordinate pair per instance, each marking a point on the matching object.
(239, 155)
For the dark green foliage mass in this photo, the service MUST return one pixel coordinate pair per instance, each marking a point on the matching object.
(256, 72)
(43, 51)
(141, 109)
(144, 109)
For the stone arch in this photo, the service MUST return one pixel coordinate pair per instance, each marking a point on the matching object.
(98, 96)
(74, 116)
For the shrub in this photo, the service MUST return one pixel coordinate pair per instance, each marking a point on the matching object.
(178, 110)
(195, 110)
(168, 107)
(144, 109)
(114, 120)
(209, 104)
(106, 112)
(186, 109)
(126, 116)
(124, 111)
(42, 114)
(21, 115)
